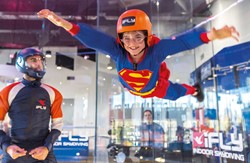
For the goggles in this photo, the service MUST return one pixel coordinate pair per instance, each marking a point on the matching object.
(137, 39)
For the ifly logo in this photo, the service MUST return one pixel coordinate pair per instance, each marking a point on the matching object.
(198, 139)
(41, 105)
(128, 21)
(69, 135)
(208, 139)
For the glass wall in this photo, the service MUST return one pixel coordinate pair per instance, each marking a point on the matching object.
(212, 131)
(103, 121)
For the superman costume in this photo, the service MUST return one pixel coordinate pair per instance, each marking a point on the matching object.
(149, 77)
(30, 105)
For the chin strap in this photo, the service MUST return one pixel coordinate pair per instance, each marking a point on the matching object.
(135, 64)
(142, 50)
(35, 83)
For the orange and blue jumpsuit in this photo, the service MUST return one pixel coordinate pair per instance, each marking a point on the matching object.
(149, 77)
(30, 107)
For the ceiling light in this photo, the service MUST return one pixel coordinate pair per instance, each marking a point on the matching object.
(109, 66)
(12, 56)
(86, 57)
(58, 67)
(157, 3)
(48, 54)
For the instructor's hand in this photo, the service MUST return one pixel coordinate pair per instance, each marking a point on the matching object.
(14, 151)
(57, 20)
(39, 153)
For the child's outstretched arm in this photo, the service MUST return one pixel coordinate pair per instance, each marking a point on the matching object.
(57, 20)
(222, 33)
(87, 35)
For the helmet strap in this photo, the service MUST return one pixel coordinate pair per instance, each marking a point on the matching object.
(32, 83)
(142, 50)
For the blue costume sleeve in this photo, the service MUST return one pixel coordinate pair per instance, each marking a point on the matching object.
(107, 44)
(99, 41)
(185, 41)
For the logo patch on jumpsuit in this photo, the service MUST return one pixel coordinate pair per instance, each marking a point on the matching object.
(42, 105)
(136, 79)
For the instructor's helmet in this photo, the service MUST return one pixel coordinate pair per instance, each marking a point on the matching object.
(134, 20)
(22, 66)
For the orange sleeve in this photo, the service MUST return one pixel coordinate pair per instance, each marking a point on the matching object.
(56, 107)
(4, 103)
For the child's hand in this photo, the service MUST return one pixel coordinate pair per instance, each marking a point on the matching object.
(44, 13)
(225, 32)
(57, 20)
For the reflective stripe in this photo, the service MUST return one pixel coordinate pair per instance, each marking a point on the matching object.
(57, 123)
(50, 92)
(13, 92)
(1, 125)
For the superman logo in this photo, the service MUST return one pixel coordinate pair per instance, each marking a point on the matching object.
(136, 79)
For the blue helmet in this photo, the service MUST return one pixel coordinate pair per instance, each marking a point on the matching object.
(22, 66)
